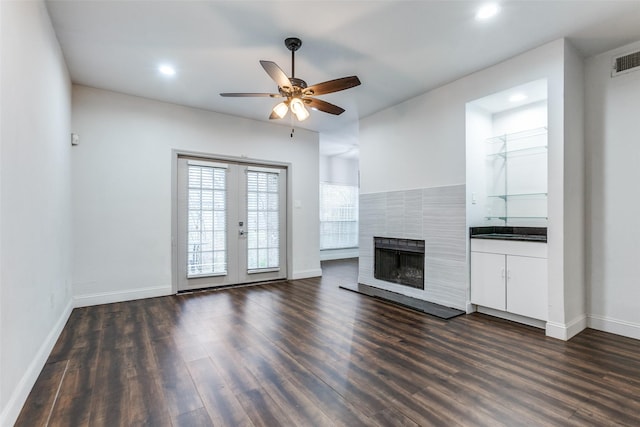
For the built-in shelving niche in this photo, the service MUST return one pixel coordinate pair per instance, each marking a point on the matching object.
(506, 157)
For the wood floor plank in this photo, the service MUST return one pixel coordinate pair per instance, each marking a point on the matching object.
(180, 393)
(305, 352)
(197, 418)
(220, 402)
(38, 406)
(262, 410)
(393, 418)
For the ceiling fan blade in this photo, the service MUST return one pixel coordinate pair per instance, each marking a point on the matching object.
(333, 86)
(276, 74)
(247, 95)
(324, 106)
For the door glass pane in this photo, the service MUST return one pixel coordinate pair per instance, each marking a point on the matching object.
(263, 226)
(206, 239)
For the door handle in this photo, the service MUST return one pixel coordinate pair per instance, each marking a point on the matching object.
(241, 232)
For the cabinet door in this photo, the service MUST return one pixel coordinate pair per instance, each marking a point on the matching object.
(488, 280)
(527, 286)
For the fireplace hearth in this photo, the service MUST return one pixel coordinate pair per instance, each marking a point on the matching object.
(399, 261)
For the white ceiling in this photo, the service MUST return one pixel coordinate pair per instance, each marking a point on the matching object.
(398, 49)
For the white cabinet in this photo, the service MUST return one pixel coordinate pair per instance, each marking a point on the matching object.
(488, 273)
(527, 286)
(510, 276)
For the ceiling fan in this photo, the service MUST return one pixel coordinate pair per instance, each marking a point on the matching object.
(296, 92)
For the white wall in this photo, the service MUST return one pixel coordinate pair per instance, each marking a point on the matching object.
(479, 127)
(612, 232)
(122, 187)
(35, 231)
(339, 170)
(416, 144)
(575, 307)
(526, 117)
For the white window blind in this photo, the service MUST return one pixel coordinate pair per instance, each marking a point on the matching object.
(338, 216)
(263, 227)
(206, 240)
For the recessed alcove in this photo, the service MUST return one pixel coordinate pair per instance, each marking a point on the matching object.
(507, 157)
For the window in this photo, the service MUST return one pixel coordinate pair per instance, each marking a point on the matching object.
(263, 227)
(338, 216)
(206, 240)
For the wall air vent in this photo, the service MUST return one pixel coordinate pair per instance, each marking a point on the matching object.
(626, 64)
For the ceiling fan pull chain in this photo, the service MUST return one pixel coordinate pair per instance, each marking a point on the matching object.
(293, 126)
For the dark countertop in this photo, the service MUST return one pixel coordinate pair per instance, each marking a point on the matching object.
(524, 234)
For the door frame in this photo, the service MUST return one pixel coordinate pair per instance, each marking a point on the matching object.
(222, 158)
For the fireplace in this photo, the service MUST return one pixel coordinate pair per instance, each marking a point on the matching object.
(399, 261)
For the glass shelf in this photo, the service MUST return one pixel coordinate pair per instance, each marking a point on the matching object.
(518, 135)
(505, 218)
(523, 195)
(542, 149)
(516, 166)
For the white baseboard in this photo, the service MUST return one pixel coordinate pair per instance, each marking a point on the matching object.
(470, 308)
(511, 316)
(566, 331)
(305, 274)
(119, 296)
(615, 326)
(18, 397)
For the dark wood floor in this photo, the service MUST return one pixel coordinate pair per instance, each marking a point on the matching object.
(306, 353)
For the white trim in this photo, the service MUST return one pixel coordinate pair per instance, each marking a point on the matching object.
(614, 326)
(576, 326)
(470, 308)
(263, 270)
(344, 253)
(198, 276)
(566, 331)
(207, 164)
(19, 395)
(305, 274)
(119, 296)
(512, 317)
(265, 170)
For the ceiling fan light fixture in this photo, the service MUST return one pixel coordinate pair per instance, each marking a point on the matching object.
(297, 108)
(281, 109)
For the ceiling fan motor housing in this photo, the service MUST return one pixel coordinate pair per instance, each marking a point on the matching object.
(292, 43)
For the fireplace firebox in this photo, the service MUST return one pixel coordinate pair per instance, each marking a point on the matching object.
(399, 261)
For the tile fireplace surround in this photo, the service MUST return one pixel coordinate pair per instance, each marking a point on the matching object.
(435, 215)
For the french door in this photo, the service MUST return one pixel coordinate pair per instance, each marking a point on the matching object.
(231, 223)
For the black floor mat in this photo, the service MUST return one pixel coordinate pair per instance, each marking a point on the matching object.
(416, 304)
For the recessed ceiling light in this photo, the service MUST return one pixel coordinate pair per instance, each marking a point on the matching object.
(487, 11)
(517, 97)
(167, 70)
